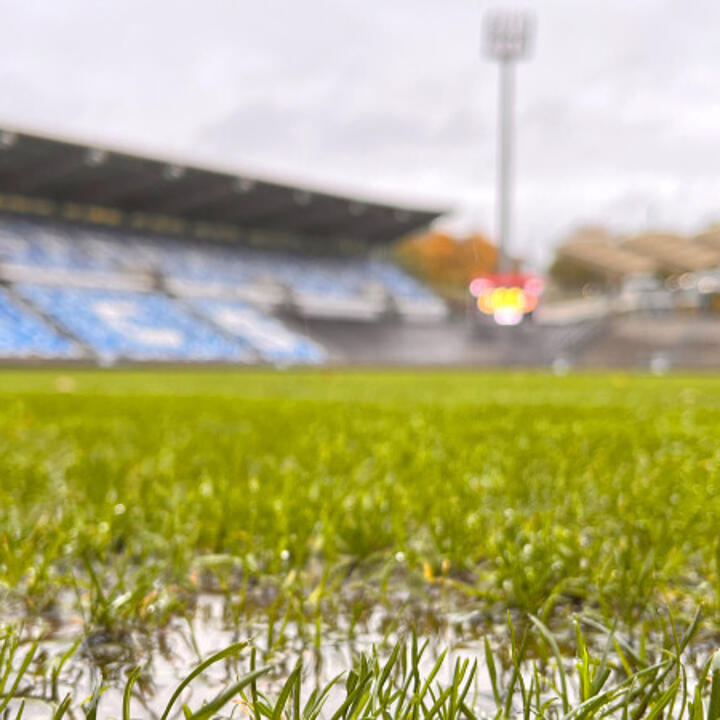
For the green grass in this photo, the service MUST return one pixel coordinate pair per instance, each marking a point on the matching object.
(599, 490)
(402, 685)
(305, 497)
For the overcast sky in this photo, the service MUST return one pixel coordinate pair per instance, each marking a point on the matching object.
(618, 110)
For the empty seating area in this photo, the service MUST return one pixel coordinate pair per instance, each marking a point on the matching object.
(24, 334)
(111, 295)
(352, 288)
(410, 297)
(125, 325)
(272, 341)
(50, 246)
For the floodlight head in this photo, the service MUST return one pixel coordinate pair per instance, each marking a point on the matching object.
(95, 157)
(302, 197)
(7, 139)
(173, 172)
(243, 185)
(507, 34)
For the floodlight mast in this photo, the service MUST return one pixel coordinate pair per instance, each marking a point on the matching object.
(506, 39)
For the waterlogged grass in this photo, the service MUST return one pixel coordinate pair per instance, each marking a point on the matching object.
(336, 504)
(619, 683)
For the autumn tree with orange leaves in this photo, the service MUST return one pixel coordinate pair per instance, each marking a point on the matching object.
(446, 263)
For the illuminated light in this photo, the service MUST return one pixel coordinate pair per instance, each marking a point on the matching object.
(484, 304)
(7, 139)
(508, 316)
(302, 197)
(708, 285)
(506, 297)
(479, 285)
(686, 281)
(173, 172)
(95, 157)
(243, 185)
(534, 286)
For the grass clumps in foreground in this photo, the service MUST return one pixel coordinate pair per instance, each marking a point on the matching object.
(403, 685)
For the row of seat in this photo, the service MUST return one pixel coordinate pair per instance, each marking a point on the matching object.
(42, 244)
(116, 324)
(272, 340)
(96, 286)
(24, 334)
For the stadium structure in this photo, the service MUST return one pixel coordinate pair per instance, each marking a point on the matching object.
(109, 257)
(648, 299)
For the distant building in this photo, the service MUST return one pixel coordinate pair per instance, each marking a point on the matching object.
(710, 239)
(674, 253)
(591, 256)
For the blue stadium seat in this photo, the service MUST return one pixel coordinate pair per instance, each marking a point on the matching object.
(47, 245)
(185, 261)
(329, 277)
(238, 266)
(153, 326)
(399, 283)
(267, 336)
(44, 245)
(315, 276)
(22, 334)
(137, 326)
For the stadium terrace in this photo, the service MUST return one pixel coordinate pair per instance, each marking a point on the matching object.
(107, 257)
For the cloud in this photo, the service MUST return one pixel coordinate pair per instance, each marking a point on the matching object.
(617, 111)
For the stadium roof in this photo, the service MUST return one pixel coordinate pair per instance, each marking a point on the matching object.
(595, 248)
(607, 259)
(67, 172)
(673, 253)
(710, 238)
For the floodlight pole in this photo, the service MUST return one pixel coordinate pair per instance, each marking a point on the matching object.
(505, 158)
(506, 39)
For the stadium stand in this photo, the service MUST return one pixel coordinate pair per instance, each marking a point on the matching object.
(269, 338)
(113, 257)
(23, 334)
(139, 297)
(134, 326)
(673, 253)
(411, 298)
(709, 239)
(592, 253)
(49, 246)
(315, 286)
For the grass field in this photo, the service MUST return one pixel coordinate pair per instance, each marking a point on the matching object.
(319, 504)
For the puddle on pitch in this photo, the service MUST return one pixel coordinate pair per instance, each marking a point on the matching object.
(169, 654)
